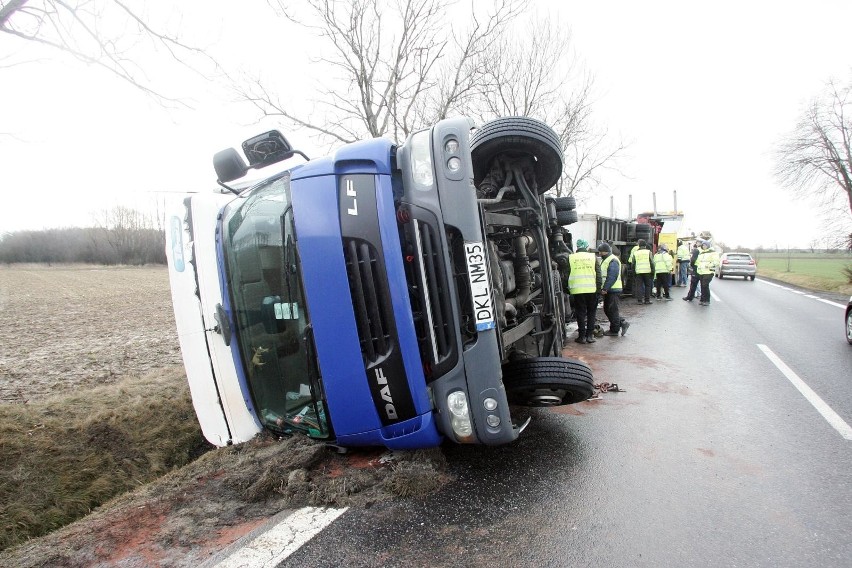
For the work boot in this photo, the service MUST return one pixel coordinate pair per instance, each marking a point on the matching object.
(668, 298)
(611, 333)
(580, 339)
(624, 326)
(590, 339)
(648, 302)
(686, 299)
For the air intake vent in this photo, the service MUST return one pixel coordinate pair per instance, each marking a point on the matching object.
(370, 298)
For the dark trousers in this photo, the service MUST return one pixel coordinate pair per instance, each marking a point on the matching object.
(610, 308)
(705, 287)
(693, 284)
(643, 284)
(585, 306)
(663, 282)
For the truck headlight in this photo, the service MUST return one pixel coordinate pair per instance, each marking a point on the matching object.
(457, 403)
(421, 157)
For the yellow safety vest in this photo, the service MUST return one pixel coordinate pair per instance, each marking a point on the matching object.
(643, 261)
(683, 252)
(707, 261)
(582, 278)
(662, 263)
(617, 287)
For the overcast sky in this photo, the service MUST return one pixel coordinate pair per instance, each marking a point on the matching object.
(700, 92)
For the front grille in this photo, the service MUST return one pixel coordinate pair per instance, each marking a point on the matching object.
(370, 298)
(430, 292)
(435, 289)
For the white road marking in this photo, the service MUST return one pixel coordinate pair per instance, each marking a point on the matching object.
(806, 295)
(273, 546)
(831, 417)
(714, 296)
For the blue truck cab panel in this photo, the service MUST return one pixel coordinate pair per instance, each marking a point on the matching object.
(375, 296)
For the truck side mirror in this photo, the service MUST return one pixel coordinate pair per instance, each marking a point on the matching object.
(267, 148)
(229, 165)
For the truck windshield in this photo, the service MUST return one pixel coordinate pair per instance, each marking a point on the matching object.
(272, 326)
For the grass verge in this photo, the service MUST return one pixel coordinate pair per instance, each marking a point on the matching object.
(64, 456)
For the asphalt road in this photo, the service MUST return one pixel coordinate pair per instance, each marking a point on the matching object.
(711, 457)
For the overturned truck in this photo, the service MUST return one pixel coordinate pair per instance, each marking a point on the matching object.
(385, 295)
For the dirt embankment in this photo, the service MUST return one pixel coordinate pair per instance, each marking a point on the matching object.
(69, 329)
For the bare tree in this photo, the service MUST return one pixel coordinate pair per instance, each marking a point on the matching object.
(402, 66)
(104, 33)
(395, 69)
(815, 160)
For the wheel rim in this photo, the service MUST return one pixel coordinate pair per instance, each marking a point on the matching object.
(849, 326)
(539, 399)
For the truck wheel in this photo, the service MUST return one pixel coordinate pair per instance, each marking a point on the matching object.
(644, 231)
(547, 381)
(518, 136)
(566, 217)
(566, 203)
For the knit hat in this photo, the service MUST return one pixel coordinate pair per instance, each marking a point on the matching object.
(664, 248)
(604, 247)
(582, 244)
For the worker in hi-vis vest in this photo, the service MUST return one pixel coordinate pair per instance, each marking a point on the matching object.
(643, 272)
(611, 290)
(584, 285)
(682, 263)
(706, 264)
(663, 272)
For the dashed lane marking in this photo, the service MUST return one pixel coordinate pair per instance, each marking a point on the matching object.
(831, 417)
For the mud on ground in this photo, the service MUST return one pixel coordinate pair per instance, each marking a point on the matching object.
(190, 514)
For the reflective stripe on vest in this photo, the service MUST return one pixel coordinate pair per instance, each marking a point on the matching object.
(582, 277)
(662, 263)
(643, 261)
(707, 262)
(617, 287)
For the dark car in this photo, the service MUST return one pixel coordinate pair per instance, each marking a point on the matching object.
(737, 264)
(849, 321)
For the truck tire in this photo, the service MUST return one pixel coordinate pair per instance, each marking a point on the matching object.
(547, 381)
(518, 135)
(566, 217)
(644, 231)
(566, 203)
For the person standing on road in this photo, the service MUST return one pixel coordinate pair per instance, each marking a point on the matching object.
(663, 272)
(682, 263)
(706, 264)
(693, 280)
(643, 270)
(584, 285)
(611, 290)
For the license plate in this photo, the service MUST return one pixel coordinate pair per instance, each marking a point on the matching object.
(480, 286)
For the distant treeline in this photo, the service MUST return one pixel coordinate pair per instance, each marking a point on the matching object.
(90, 245)
(123, 236)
